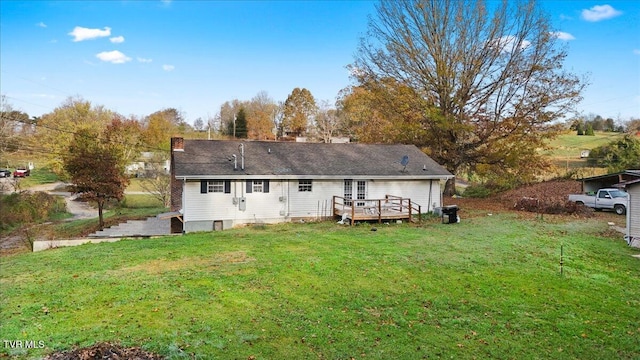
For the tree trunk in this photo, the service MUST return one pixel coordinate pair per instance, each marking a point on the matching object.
(450, 187)
(100, 217)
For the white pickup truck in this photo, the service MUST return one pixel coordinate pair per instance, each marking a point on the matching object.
(612, 199)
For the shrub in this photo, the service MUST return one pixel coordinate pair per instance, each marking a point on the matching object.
(478, 191)
(28, 208)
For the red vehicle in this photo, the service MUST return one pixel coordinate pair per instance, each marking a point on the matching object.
(21, 172)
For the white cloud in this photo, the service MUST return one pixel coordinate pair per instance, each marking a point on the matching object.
(509, 43)
(117, 39)
(143, 60)
(600, 12)
(41, 24)
(114, 57)
(168, 67)
(563, 35)
(80, 33)
(636, 51)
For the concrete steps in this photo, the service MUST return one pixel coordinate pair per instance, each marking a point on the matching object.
(152, 226)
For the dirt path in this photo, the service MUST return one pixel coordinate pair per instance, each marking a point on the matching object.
(79, 209)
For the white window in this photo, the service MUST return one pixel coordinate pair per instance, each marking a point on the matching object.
(258, 186)
(215, 187)
(348, 192)
(305, 185)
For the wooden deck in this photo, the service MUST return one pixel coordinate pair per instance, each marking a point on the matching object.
(389, 208)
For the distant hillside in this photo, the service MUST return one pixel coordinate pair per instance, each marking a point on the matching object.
(566, 150)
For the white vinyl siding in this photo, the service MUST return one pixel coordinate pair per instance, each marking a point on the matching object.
(220, 206)
(633, 212)
(284, 201)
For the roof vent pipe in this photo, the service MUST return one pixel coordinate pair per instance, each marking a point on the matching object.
(235, 162)
(241, 147)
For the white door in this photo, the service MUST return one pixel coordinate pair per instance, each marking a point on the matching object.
(361, 192)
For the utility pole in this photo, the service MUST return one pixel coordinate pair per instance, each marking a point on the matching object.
(234, 125)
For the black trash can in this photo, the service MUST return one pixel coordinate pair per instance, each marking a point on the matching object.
(451, 213)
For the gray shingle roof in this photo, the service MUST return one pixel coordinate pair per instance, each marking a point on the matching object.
(203, 159)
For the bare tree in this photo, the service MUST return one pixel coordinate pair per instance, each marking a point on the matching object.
(487, 84)
(157, 181)
(326, 122)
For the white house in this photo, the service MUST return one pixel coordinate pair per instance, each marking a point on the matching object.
(633, 213)
(221, 184)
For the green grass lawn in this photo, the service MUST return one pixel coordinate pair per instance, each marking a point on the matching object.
(489, 287)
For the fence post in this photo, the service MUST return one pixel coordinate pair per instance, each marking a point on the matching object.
(333, 207)
(353, 213)
(379, 211)
(409, 210)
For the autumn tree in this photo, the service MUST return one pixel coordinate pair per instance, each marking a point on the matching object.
(633, 127)
(260, 113)
(125, 137)
(95, 166)
(160, 126)
(56, 130)
(487, 84)
(299, 110)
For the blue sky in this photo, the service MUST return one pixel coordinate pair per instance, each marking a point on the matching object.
(138, 57)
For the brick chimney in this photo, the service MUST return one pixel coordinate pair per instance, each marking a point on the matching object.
(177, 144)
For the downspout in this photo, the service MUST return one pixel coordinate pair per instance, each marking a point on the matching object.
(430, 190)
(288, 198)
(628, 237)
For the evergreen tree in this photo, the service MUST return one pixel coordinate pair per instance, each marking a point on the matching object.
(241, 124)
(589, 130)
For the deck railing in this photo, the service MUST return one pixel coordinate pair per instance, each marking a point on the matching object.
(376, 209)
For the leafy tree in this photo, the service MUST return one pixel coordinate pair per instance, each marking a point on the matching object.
(618, 155)
(56, 130)
(241, 124)
(94, 165)
(299, 109)
(609, 125)
(580, 129)
(487, 85)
